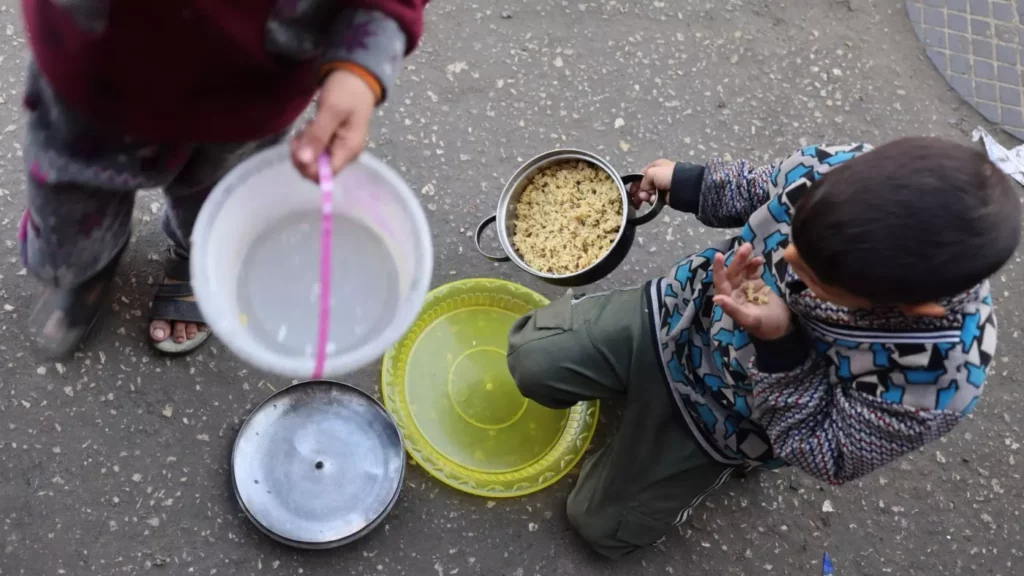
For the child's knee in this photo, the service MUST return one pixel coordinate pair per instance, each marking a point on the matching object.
(532, 369)
(600, 535)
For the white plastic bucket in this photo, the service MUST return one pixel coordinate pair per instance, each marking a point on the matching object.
(264, 195)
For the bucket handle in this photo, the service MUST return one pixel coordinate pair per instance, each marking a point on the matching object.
(480, 232)
(651, 214)
(326, 174)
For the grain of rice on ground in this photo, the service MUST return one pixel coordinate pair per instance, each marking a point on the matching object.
(567, 218)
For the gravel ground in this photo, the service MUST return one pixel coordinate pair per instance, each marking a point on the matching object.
(114, 463)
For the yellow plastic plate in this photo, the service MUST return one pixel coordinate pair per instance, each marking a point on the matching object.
(448, 387)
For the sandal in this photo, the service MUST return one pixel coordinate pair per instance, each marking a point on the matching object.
(64, 318)
(170, 305)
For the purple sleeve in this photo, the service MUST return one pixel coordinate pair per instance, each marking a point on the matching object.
(369, 39)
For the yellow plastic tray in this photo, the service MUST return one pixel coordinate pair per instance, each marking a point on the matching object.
(448, 387)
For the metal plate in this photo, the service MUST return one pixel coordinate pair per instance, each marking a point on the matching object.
(318, 464)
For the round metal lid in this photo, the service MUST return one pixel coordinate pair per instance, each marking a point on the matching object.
(318, 464)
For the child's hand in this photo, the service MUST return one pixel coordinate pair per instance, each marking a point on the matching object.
(766, 320)
(344, 110)
(657, 176)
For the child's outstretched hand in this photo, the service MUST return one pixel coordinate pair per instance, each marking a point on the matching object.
(742, 295)
(342, 122)
(657, 176)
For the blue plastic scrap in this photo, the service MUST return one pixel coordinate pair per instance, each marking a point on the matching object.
(826, 566)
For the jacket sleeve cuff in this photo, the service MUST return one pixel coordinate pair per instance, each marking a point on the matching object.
(363, 73)
(371, 41)
(782, 354)
(684, 193)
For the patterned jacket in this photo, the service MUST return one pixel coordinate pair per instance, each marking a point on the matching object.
(863, 389)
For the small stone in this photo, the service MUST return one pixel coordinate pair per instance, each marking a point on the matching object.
(625, 146)
(506, 15)
(168, 411)
(558, 62)
(41, 370)
(136, 477)
(532, 527)
(799, 483)
(455, 68)
(8, 308)
(619, 122)
(69, 391)
(826, 506)
(940, 458)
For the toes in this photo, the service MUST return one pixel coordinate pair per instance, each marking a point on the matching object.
(190, 330)
(56, 325)
(159, 330)
(179, 332)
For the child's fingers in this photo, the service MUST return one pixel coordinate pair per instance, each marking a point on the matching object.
(304, 168)
(737, 271)
(740, 315)
(647, 184)
(635, 195)
(343, 151)
(754, 268)
(637, 200)
(719, 276)
(348, 143)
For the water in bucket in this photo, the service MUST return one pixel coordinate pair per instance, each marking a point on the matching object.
(255, 264)
(279, 285)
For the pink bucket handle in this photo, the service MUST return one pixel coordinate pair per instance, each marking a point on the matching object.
(326, 232)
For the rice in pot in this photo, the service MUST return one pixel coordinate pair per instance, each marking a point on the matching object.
(567, 218)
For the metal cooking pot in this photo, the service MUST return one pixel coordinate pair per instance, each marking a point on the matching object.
(505, 219)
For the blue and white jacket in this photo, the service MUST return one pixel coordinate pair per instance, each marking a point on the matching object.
(871, 385)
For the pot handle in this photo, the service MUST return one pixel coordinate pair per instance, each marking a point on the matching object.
(480, 232)
(651, 214)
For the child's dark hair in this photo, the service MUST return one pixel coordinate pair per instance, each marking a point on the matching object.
(911, 222)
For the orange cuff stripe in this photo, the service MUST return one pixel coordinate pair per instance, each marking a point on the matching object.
(370, 79)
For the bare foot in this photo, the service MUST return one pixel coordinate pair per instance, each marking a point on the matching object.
(160, 330)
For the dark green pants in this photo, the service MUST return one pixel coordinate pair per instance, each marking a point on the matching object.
(652, 473)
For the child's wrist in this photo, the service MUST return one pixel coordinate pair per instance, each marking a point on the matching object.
(353, 68)
(684, 191)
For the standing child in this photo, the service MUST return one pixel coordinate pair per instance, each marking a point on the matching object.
(849, 323)
(126, 94)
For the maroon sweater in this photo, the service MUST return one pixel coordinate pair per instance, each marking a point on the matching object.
(188, 70)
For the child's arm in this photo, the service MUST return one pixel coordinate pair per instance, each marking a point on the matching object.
(823, 423)
(372, 41)
(360, 62)
(721, 194)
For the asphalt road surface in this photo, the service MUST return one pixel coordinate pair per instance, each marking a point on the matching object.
(115, 463)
